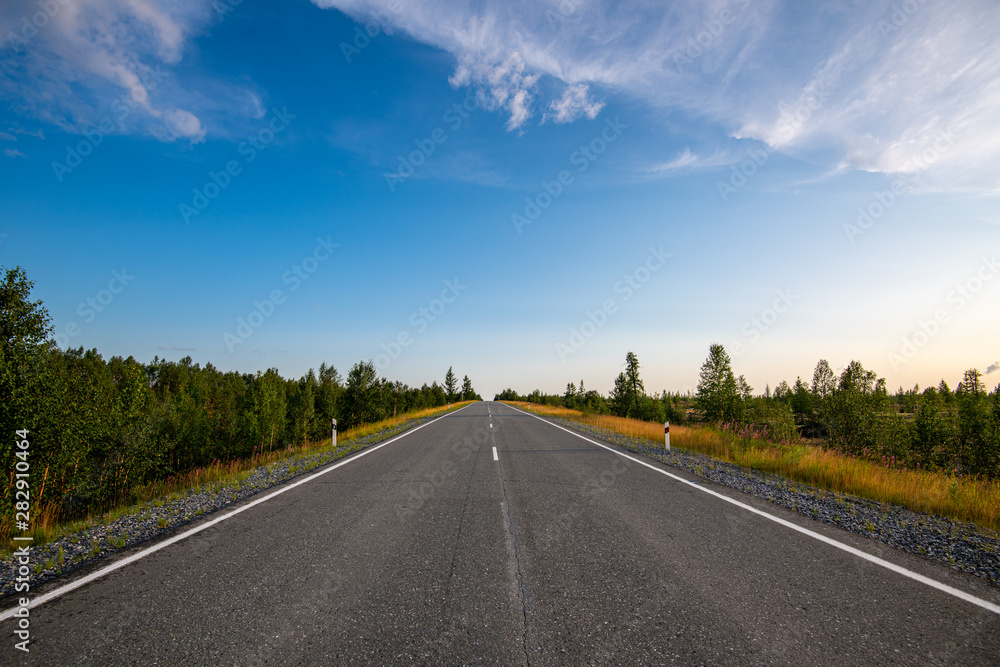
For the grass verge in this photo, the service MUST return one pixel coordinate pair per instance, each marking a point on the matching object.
(973, 500)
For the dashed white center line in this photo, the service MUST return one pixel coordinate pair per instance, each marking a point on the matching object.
(495, 457)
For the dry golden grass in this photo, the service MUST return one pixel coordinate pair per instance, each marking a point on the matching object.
(47, 523)
(972, 500)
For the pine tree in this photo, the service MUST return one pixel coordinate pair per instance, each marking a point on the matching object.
(450, 385)
(718, 391)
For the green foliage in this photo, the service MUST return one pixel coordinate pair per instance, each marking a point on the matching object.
(507, 395)
(468, 393)
(362, 396)
(976, 441)
(930, 431)
(851, 410)
(23, 325)
(451, 385)
(673, 408)
(774, 416)
(719, 393)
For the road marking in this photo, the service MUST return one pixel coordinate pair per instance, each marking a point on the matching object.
(495, 457)
(933, 583)
(73, 585)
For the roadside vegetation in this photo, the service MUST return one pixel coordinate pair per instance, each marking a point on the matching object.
(104, 434)
(935, 451)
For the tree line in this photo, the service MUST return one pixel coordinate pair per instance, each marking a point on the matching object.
(101, 427)
(628, 398)
(936, 428)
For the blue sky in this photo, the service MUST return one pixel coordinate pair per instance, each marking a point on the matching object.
(521, 190)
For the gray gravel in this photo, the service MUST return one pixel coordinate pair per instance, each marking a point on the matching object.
(157, 518)
(961, 545)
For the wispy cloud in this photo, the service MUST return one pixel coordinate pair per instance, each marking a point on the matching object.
(88, 56)
(863, 86)
(906, 93)
(995, 366)
(687, 160)
(12, 152)
(178, 349)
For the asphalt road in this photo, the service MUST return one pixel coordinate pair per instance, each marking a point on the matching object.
(433, 550)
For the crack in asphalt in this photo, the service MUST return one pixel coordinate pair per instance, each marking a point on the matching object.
(458, 535)
(519, 582)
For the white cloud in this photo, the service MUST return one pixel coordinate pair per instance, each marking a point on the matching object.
(687, 160)
(503, 84)
(12, 152)
(918, 97)
(89, 56)
(575, 104)
(184, 124)
(862, 86)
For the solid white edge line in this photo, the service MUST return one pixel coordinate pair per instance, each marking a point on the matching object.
(73, 585)
(495, 457)
(933, 583)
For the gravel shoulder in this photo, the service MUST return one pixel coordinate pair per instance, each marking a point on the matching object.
(159, 518)
(963, 546)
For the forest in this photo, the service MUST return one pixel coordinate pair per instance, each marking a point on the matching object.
(100, 427)
(937, 428)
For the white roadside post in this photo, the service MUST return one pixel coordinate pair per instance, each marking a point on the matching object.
(334, 438)
(666, 434)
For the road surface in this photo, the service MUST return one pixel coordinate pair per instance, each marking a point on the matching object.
(490, 536)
